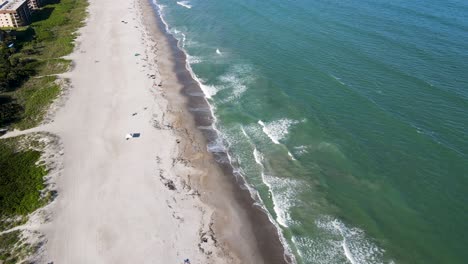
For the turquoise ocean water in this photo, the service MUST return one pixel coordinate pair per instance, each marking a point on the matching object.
(350, 119)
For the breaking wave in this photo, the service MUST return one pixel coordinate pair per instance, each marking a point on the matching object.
(185, 4)
(237, 79)
(277, 130)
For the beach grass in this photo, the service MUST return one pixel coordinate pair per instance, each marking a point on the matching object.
(21, 180)
(21, 192)
(35, 96)
(53, 66)
(13, 248)
(7, 254)
(55, 28)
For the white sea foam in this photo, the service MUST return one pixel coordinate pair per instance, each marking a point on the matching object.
(354, 244)
(233, 137)
(237, 91)
(277, 130)
(346, 250)
(300, 150)
(337, 243)
(283, 194)
(185, 4)
(193, 59)
(291, 155)
(180, 36)
(237, 79)
(218, 52)
(258, 157)
(337, 79)
(317, 251)
(281, 191)
(243, 132)
(184, 38)
(208, 90)
(160, 9)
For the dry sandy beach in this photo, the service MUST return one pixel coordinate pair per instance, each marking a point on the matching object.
(157, 198)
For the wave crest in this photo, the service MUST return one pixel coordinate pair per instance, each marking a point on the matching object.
(185, 4)
(277, 130)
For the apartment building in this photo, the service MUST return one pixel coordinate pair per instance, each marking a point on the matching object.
(35, 4)
(14, 13)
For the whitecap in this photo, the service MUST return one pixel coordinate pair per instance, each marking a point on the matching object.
(353, 243)
(243, 132)
(185, 4)
(283, 194)
(218, 52)
(291, 155)
(277, 130)
(300, 150)
(258, 157)
(337, 79)
(237, 80)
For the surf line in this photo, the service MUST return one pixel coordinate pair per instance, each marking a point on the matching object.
(275, 138)
(287, 256)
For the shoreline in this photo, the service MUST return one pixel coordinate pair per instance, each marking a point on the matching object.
(266, 235)
(123, 202)
(162, 197)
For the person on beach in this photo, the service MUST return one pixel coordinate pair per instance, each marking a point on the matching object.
(186, 261)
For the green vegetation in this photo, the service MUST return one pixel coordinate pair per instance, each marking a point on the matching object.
(53, 66)
(21, 192)
(30, 59)
(13, 254)
(7, 254)
(35, 95)
(27, 82)
(21, 180)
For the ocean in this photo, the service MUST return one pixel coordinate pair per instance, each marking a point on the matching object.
(348, 119)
